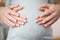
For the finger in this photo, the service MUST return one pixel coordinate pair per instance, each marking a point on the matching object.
(19, 19)
(15, 17)
(49, 18)
(46, 13)
(21, 23)
(13, 13)
(18, 8)
(22, 16)
(11, 18)
(9, 23)
(13, 6)
(46, 6)
(38, 17)
(50, 22)
(17, 25)
(39, 20)
(22, 20)
(42, 9)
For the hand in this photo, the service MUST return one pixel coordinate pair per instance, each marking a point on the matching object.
(51, 12)
(21, 19)
(9, 16)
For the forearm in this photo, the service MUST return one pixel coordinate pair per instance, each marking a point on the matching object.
(57, 2)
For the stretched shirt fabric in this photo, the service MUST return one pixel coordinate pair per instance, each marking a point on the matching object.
(31, 30)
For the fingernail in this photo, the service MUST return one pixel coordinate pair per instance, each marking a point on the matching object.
(20, 7)
(36, 21)
(39, 20)
(17, 24)
(40, 23)
(22, 23)
(45, 25)
(25, 20)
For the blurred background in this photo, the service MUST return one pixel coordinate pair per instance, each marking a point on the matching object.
(55, 27)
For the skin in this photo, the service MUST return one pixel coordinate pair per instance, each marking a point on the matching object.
(51, 12)
(9, 16)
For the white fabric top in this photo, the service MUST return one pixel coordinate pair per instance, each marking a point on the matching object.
(31, 30)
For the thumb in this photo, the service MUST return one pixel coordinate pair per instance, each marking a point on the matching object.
(44, 7)
(13, 6)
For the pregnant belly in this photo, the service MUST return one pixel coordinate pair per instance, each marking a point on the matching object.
(31, 30)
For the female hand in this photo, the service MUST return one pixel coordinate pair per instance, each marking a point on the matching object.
(51, 12)
(9, 15)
